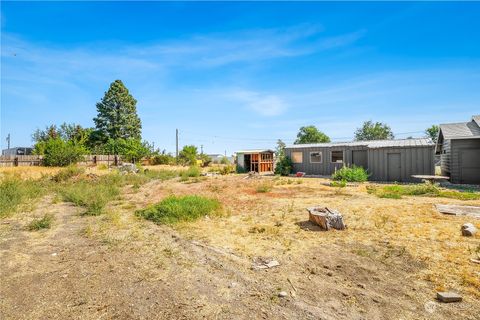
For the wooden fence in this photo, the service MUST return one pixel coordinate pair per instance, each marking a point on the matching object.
(33, 160)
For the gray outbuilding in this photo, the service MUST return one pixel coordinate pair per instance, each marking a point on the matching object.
(385, 160)
(459, 147)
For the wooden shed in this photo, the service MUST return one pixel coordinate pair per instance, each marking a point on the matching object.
(255, 160)
(458, 145)
(385, 160)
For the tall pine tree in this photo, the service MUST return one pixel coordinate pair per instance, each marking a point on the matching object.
(117, 114)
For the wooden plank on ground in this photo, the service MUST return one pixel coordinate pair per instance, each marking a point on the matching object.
(457, 210)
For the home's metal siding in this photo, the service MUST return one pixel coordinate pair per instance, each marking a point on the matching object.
(445, 157)
(414, 160)
(454, 160)
(326, 167)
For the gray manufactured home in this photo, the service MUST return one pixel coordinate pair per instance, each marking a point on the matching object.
(385, 160)
(459, 147)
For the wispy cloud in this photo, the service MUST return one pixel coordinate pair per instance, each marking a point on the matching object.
(263, 104)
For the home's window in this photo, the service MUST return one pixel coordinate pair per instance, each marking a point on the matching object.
(337, 156)
(315, 157)
(297, 157)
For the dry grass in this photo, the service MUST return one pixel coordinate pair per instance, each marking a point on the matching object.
(386, 231)
(408, 228)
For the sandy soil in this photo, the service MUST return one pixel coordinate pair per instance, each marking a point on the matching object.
(389, 264)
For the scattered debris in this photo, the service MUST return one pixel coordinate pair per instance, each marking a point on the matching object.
(128, 168)
(253, 175)
(232, 285)
(448, 297)
(260, 263)
(282, 294)
(468, 230)
(290, 281)
(300, 174)
(457, 210)
(209, 174)
(326, 218)
(475, 260)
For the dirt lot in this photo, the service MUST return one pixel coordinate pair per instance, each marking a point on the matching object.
(388, 264)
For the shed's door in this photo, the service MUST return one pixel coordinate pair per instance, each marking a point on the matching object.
(470, 166)
(394, 167)
(359, 158)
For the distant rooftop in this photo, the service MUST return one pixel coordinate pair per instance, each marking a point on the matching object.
(373, 144)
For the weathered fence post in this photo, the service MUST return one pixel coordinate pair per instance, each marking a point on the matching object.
(15, 162)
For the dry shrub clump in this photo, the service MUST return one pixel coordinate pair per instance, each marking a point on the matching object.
(14, 192)
(427, 189)
(43, 223)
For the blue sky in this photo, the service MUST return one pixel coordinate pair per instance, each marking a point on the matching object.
(233, 76)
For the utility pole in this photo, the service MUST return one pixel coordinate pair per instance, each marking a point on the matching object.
(176, 153)
(8, 141)
(201, 148)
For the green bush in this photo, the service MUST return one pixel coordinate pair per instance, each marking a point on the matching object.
(59, 153)
(175, 209)
(67, 173)
(283, 166)
(131, 150)
(227, 169)
(351, 174)
(188, 155)
(264, 187)
(93, 196)
(339, 184)
(43, 223)
(14, 192)
(163, 158)
(191, 172)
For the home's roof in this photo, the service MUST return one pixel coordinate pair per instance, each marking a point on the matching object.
(372, 144)
(461, 130)
(254, 151)
(476, 119)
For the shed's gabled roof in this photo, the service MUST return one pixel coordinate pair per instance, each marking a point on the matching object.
(461, 130)
(255, 151)
(372, 144)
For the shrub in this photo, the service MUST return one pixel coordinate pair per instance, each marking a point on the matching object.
(43, 223)
(177, 209)
(59, 153)
(163, 158)
(191, 172)
(283, 166)
(67, 173)
(15, 191)
(339, 184)
(102, 166)
(205, 159)
(224, 160)
(227, 169)
(264, 187)
(188, 155)
(351, 174)
(131, 150)
(92, 196)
